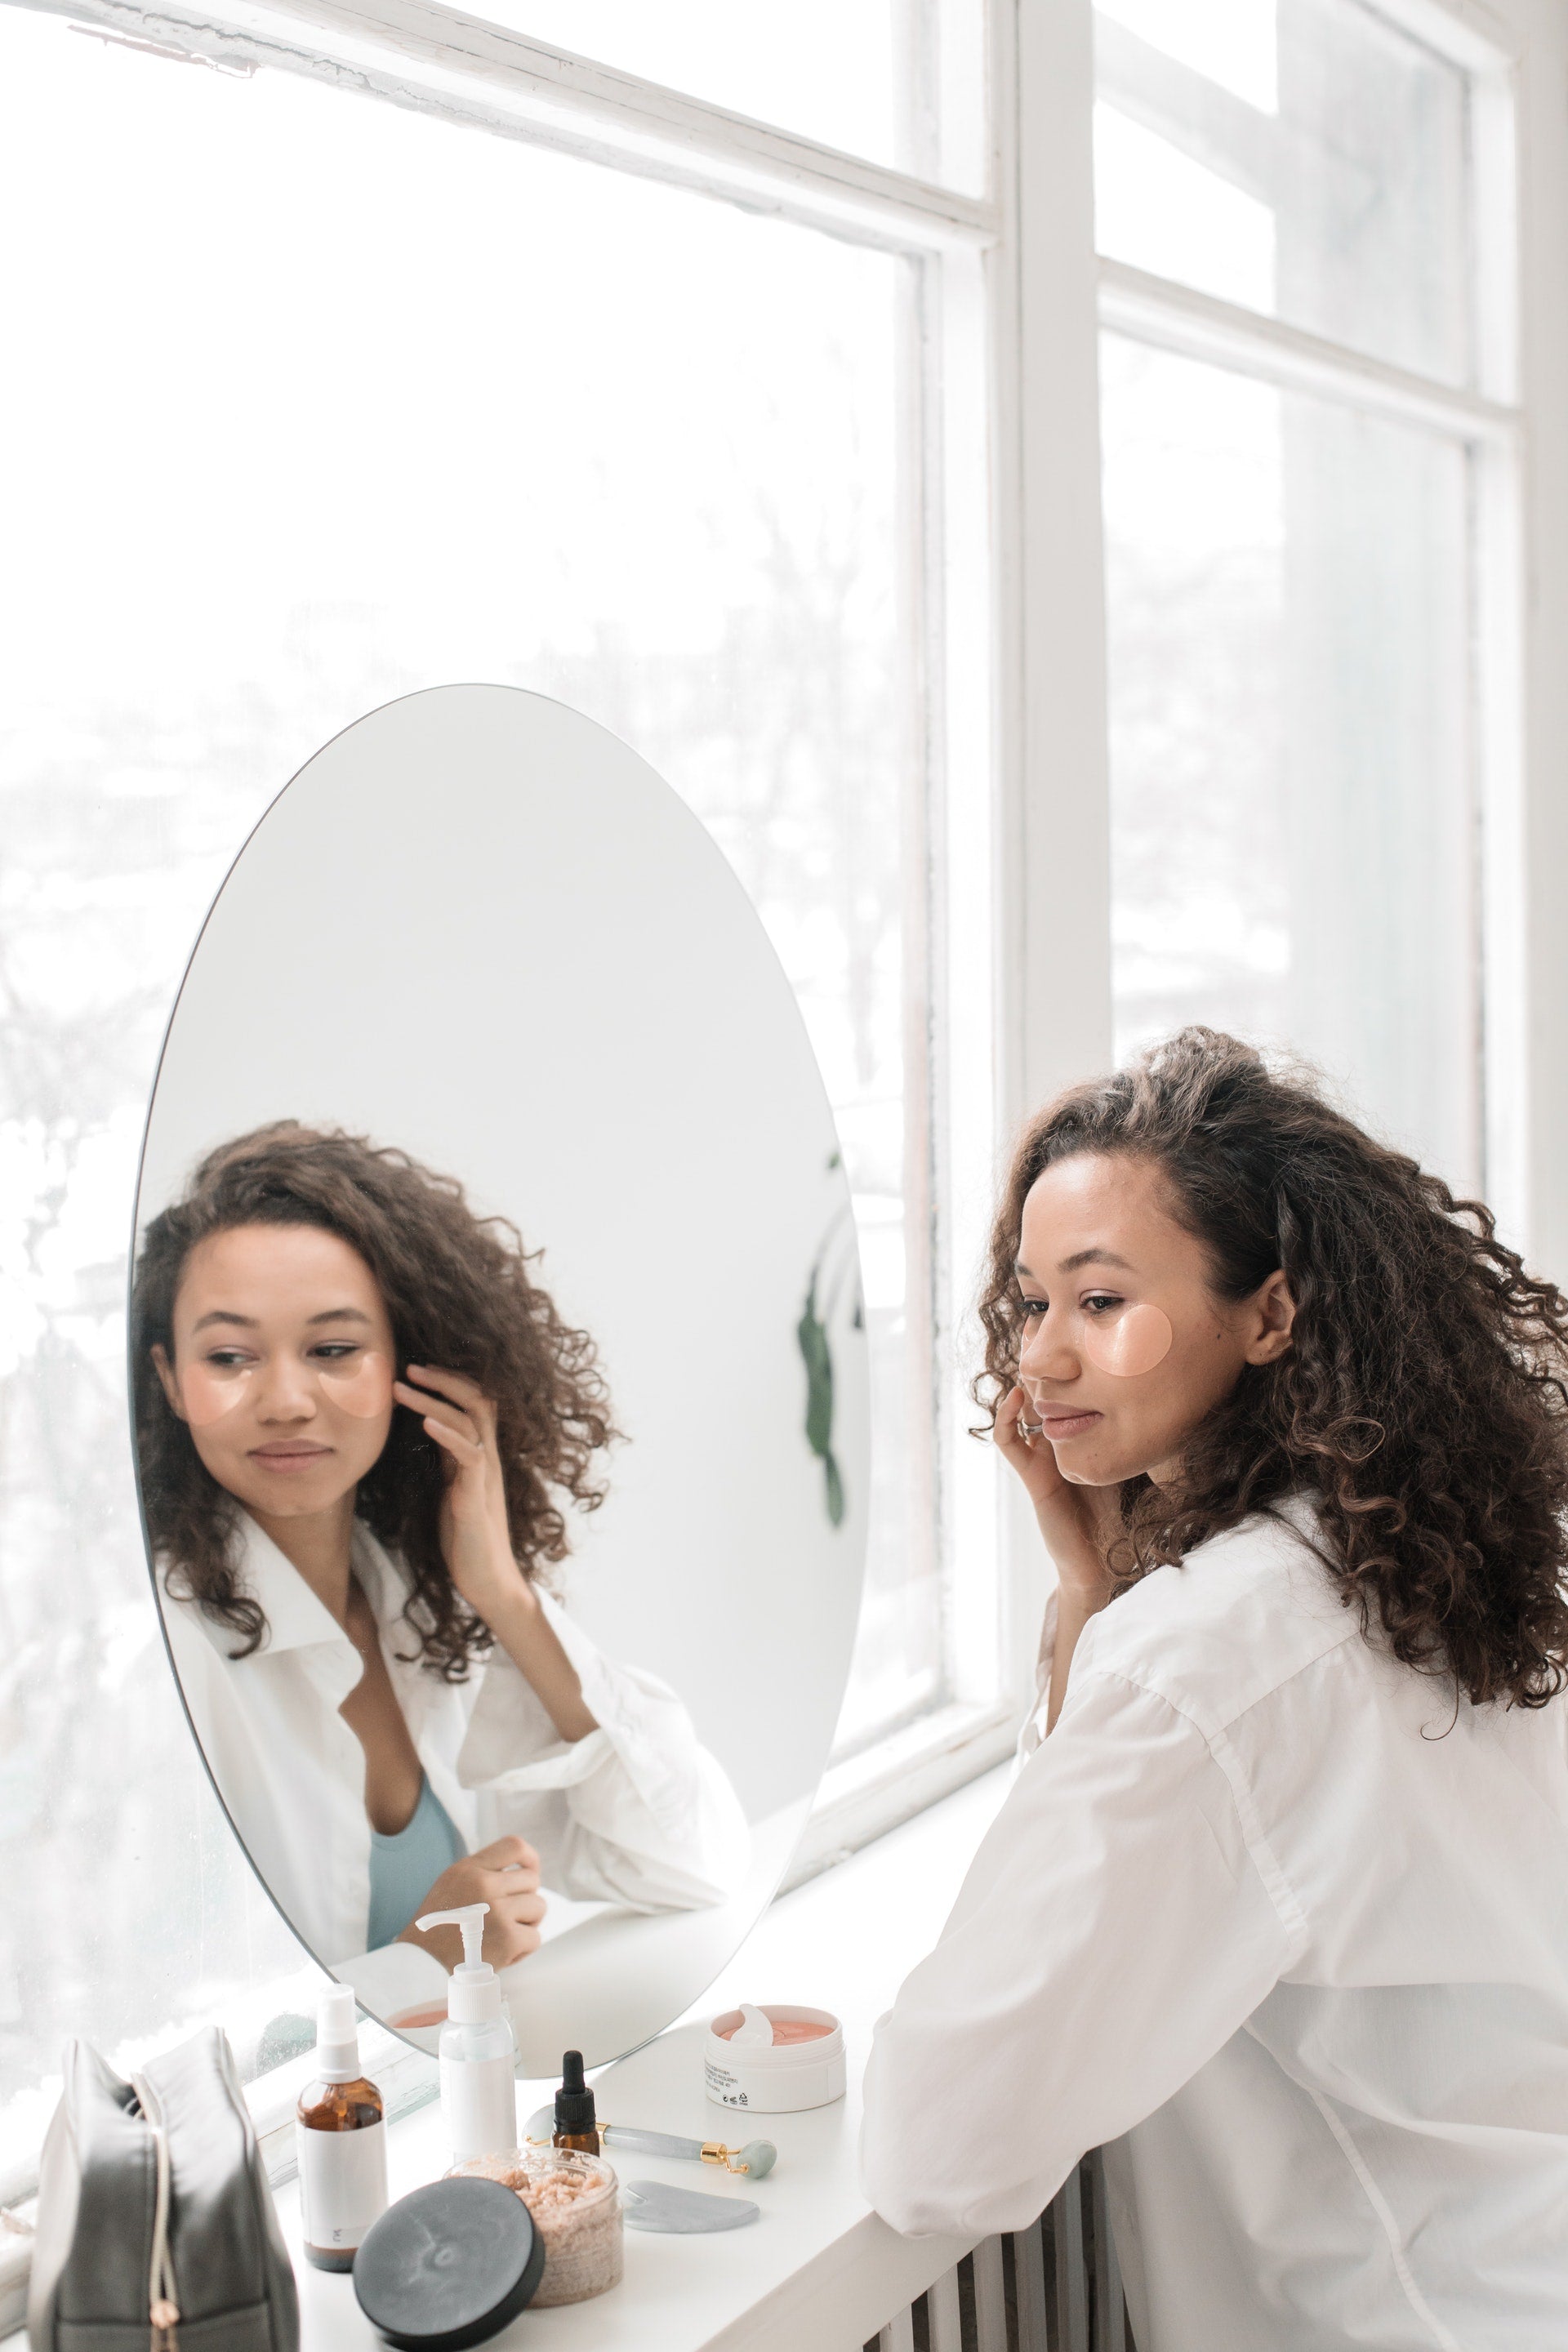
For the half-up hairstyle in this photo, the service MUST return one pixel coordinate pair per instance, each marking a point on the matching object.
(457, 1293)
(1423, 1401)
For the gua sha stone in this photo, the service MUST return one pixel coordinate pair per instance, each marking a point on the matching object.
(682, 2212)
(1136, 1342)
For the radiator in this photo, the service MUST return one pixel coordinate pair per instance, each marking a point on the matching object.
(1053, 2287)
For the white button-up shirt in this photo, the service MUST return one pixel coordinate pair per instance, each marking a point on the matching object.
(636, 1813)
(1269, 1915)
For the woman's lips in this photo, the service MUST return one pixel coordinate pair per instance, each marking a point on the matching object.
(1057, 1424)
(290, 1457)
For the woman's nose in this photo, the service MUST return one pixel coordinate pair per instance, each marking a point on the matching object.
(287, 1392)
(1045, 1354)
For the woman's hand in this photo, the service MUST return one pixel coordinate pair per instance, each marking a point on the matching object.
(506, 1876)
(1077, 1523)
(1074, 1521)
(476, 1539)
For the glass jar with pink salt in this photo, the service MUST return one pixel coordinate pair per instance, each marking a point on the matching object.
(576, 2209)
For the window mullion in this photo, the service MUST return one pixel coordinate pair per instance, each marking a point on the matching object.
(1200, 327)
(550, 98)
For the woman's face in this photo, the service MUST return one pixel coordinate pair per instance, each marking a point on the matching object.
(282, 1367)
(1126, 1349)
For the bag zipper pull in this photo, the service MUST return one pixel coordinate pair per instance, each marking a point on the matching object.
(165, 2318)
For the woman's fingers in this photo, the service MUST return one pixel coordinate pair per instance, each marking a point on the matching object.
(457, 1388)
(1032, 1458)
(528, 1908)
(496, 1886)
(432, 1408)
(507, 1854)
(506, 1944)
(1009, 1413)
(466, 1445)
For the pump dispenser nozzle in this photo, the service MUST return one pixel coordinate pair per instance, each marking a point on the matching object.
(337, 2035)
(474, 1994)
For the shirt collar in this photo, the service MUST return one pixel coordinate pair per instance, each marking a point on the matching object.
(296, 1619)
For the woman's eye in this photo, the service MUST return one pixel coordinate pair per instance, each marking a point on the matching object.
(225, 1360)
(1027, 1307)
(333, 1351)
(1101, 1302)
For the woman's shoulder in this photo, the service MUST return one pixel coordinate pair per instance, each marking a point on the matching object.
(1240, 1615)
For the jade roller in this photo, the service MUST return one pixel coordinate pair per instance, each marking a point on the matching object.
(756, 2159)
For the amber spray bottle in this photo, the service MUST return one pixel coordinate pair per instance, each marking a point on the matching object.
(340, 2134)
(576, 2125)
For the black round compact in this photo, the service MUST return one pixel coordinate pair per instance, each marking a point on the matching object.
(449, 2265)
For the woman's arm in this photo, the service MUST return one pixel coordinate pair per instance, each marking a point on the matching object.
(637, 1812)
(1113, 1934)
(475, 1540)
(518, 1620)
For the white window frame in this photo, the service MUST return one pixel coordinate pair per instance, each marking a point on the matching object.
(1012, 297)
(436, 59)
(1512, 427)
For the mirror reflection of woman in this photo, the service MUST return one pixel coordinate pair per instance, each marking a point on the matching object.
(358, 1420)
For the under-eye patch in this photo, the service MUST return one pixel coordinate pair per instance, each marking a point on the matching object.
(1138, 1340)
(361, 1384)
(207, 1391)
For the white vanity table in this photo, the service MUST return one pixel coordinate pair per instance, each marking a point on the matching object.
(818, 2269)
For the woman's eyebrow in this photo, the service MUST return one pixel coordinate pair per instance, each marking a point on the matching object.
(1093, 1257)
(339, 1314)
(223, 1314)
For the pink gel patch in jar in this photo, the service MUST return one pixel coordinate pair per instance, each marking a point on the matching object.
(1139, 1338)
(208, 1392)
(361, 1384)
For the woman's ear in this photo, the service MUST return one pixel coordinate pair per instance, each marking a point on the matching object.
(166, 1372)
(1272, 1316)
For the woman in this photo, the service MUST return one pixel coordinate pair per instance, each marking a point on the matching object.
(1278, 1903)
(357, 1419)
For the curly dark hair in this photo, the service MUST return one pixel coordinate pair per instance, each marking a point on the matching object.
(1423, 1401)
(458, 1294)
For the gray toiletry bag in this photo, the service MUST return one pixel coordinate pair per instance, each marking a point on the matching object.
(156, 2223)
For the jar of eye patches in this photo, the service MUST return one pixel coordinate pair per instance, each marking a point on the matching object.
(576, 2209)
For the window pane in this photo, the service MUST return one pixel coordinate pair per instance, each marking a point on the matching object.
(1304, 159)
(1291, 823)
(393, 404)
(901, 81)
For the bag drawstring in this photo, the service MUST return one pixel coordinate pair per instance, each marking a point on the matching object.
(162, 2311)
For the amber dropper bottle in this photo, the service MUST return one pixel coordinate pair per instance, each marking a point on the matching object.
(342, 2141)
(576, 2125)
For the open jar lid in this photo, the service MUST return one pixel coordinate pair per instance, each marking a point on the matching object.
(449, 2265)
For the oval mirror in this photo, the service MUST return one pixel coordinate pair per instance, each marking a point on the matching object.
(499, 1373)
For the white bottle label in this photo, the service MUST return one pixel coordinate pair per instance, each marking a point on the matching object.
(342, 2184)
(479, 2098)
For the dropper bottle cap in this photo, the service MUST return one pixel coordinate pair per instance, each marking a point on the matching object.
(337, 2035)
(473, 1993)
(575, 2112)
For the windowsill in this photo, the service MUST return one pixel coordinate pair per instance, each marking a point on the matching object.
(819, 2267)
(901, 1776)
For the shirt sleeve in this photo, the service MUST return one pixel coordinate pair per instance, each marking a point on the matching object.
(637, 1814)
(1115, 1929)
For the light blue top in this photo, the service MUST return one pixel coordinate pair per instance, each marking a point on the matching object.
(403, 1869)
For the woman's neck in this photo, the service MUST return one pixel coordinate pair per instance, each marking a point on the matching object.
(321, 1547)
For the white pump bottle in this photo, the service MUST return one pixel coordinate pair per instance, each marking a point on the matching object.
(477, 2052)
